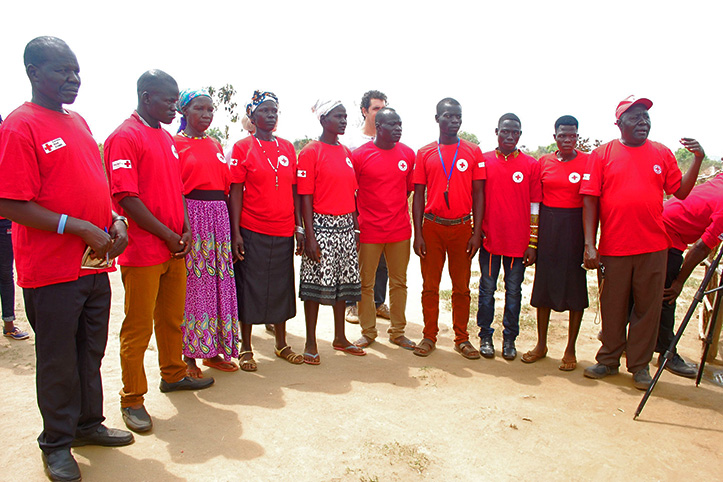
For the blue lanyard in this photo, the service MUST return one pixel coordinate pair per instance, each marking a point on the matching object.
(451, 169)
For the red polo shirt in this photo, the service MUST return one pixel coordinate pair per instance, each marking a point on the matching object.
(203, 165)
(326, 172)
(699, 216)
(512, 185)
(142, 161)
(630, 182)
(51, 158)
(384, 177)
(428, 171)
(266, 209)
(561, 180)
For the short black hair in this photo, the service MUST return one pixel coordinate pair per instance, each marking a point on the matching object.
(509, 116)
(566, 120)
(446, 101)
(385, 111)
(153, 79)
(38, 49)
(372, 94)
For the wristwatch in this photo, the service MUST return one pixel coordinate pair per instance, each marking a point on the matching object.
(121, 218)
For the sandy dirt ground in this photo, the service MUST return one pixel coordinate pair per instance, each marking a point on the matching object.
(391, 415)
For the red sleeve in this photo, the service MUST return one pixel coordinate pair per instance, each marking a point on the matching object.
(121, 161)
(356, 158)
(305, 170)
(673, 176)
(591, 183)
(714, 232)
(349, 156)
(294, 164)
(535, 182)
(420, 176)
(479, 171)
(19, 173)
(238, 164)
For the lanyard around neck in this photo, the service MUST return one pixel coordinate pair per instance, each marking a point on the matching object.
(451, 169)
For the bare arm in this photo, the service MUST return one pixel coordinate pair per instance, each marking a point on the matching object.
(420, 248)
(138, 211)
(307, 211)
(299, 222)
(695, 255)
(478, 209)
(589, 221)
(31, 214)
(689, 178)
(236, 201)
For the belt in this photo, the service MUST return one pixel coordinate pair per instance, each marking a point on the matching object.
(206, 195)
(447, 222)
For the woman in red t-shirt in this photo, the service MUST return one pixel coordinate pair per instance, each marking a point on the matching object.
(265, 213)
(330, 265)
(560, 281)
(210, 321)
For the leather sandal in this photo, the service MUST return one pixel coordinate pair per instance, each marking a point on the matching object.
(247, 365)
(467, 350)
(291, 357)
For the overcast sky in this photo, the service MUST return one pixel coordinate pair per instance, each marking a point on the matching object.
(538, 59)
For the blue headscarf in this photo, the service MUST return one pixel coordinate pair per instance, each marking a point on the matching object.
(184, 99)
(259, 98)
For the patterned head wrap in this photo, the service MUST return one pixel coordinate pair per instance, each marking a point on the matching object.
(185, 98)
(259, 98)
(324, 106)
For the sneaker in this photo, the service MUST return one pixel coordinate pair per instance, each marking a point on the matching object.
(186, 383)
(352, 314)
(678, 366)
(599, 370)
(641, 379)
(383, 312)
(486, 348)
(16, 334)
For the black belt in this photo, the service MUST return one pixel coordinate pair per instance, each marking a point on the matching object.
(201, 195)
(447, 222)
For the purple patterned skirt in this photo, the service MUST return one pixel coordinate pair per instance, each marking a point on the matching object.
(210, 320)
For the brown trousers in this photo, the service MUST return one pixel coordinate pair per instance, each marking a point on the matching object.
(446, 242)
(155, 298)
(641, 276)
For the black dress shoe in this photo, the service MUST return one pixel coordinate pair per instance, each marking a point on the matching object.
(60, 465)
(486, 348)
(186, 383)
(107, 437)
(509, 352)
(137, 419)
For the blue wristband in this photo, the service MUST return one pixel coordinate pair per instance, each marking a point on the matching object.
(61, 223)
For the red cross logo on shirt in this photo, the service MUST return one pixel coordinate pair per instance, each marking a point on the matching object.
(574, 177)
(518, 177)
(47, 147)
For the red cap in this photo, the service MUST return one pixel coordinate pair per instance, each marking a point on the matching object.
(629, 102)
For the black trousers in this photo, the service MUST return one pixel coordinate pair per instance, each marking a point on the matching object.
(70, 321)
(7, 284)
(667, 314)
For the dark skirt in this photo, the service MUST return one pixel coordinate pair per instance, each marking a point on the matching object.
(265, 279)
(560, 282)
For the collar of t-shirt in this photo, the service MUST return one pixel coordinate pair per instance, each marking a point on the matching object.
(141, 119)
(512, 154)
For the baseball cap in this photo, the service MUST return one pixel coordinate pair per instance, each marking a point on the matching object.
(630, 101)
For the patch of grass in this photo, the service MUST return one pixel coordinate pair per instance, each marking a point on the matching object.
(409, 454)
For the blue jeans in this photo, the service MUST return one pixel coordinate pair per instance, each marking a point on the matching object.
(514, 274)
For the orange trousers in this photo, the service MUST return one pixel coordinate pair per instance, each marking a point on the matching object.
(446, 242)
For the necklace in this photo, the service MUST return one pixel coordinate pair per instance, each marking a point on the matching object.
(183, 133)
(278, 155)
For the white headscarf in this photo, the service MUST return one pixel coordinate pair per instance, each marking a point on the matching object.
(324, 106)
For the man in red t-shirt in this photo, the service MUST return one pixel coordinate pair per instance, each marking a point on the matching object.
(513, 193)
(451, 173)
(145, 181)
(53, 188)
(697, 220)
(383, 170)
(623, 187)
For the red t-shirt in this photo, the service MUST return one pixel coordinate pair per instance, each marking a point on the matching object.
(428, 171)
(630, 182)
(561, 180)
(512, 185)
(142, 161)
(699, 216)
(266, 209)
(384, 177)
(203, 165)
(326, 172)
(51, 158)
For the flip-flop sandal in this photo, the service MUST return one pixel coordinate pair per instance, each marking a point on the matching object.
(467, 350)
(403, 342)
(363, 342)
(224, 366)
(291, 357)
(247, 365)
(568, 366)
(424, 348)
(312, 359)
(351, 349)
(530, 357)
